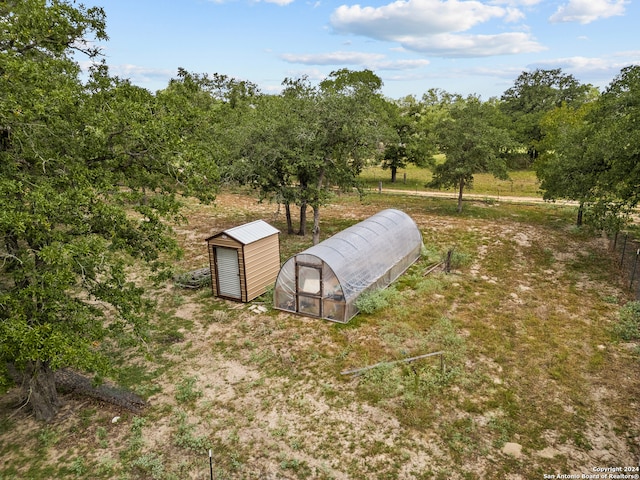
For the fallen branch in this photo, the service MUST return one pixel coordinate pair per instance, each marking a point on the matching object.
(404, 360)
(73, 382)
(432, 268)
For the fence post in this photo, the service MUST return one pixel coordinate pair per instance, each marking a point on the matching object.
(379, 187)
(633, 273)
(624, 246)
(447, 265)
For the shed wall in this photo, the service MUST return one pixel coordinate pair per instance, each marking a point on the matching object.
(262, 264)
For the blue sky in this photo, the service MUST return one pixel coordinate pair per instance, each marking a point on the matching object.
(461, 46)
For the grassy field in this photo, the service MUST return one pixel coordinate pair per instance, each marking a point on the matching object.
(535, 382)
(521, 183)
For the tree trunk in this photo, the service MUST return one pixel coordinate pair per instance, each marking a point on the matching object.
(460, 196)
(39, 389)
(287, 209)
(316, 224)
(303, 219)
(316, 205)
(394, 172)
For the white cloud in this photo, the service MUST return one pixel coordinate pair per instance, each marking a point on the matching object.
(517, 3)
(513, 15)
(374, 61)
(139, 74)
(466, 46)
(587, 11)
(591, 65)
(332, 58)
(435, 27)
(280, 2)
(413, 17)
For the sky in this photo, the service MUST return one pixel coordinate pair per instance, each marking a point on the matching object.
(467, 47)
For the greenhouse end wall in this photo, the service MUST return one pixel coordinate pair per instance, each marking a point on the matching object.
(325, 280)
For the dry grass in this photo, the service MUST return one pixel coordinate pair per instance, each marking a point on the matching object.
(525, 322)
(521, 183)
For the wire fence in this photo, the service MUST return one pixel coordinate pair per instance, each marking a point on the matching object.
(627, 251)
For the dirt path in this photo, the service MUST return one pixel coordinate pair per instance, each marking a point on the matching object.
(472, 196)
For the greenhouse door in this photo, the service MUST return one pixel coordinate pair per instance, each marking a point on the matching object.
(228, 272)
(309, 290)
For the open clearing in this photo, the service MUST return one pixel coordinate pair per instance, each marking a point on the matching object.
(535, 382)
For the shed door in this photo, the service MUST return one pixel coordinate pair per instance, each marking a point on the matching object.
(228, 273)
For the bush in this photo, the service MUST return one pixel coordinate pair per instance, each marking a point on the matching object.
(186, 391)
(458, 259)
(375, 300)
(628, 328)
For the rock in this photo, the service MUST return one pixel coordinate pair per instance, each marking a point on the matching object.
(548, 452)
(514, 449)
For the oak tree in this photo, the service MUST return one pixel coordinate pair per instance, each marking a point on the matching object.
(89, 176)
(473, 141)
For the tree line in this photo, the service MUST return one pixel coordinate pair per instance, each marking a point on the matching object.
(93, 169)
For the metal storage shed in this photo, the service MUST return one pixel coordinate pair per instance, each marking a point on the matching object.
(244, 260)
(325, 280)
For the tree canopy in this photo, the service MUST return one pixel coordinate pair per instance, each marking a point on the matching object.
(410, 141)
(532, 95)
(313, 138)
(473, 141)
(88, 179)
(591, 153)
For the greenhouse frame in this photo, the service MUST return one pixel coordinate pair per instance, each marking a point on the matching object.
(325, 280)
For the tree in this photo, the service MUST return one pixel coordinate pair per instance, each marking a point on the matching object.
(88, 177)
(614, 145)
(532, 96)
(472, 144)
(592, 153)
(311, 139)
(563, 167)
(410, 143)
(271, 148)
(348, 134)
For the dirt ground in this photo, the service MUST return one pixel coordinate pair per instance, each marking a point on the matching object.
(270, 402)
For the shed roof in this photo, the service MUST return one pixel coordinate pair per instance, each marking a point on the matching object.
(362, 253)
(249, 232)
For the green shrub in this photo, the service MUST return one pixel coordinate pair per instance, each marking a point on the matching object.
(151, 464)
(628, 328)
(375, 300)
(185, 437)
(458, 259)
(186, 391)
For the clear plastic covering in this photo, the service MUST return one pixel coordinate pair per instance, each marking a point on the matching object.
(326, 279)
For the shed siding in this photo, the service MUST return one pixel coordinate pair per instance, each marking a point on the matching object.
(214, 279)
(263, 264)
(225, 242)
